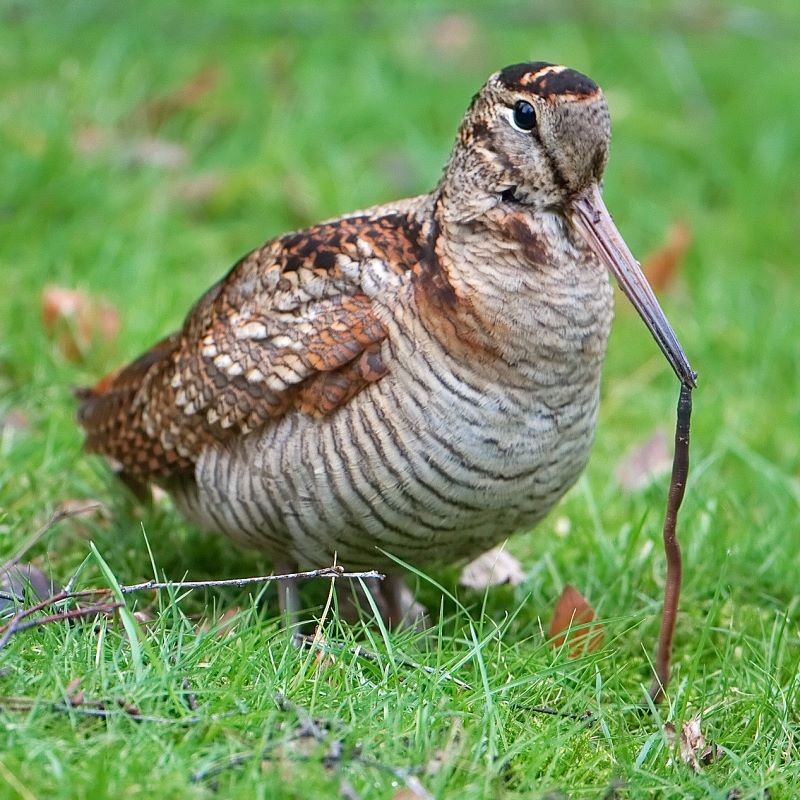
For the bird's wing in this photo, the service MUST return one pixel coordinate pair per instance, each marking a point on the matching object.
(292, 326)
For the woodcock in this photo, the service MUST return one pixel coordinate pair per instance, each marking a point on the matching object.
(420, 378)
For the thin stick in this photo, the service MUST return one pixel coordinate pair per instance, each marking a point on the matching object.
(325, 572)
(672, 549)
(97, 709)
(16, 625)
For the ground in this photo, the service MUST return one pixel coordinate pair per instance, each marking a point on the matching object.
(145, 147)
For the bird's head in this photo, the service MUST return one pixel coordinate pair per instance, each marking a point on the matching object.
(536, 139)
(537, 133)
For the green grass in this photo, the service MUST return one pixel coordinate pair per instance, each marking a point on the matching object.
(318, 111)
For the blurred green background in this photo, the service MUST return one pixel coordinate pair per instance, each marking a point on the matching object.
(145, 146)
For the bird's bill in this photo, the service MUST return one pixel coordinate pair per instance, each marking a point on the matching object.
(590, 216)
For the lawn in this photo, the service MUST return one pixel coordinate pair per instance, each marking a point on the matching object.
(143, 148)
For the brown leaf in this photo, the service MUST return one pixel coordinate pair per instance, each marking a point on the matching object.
(413, 790)
(573, 611)
(646, 461)
(131, 709)
(144, 616)
(157, 111)
(694, 750)
(225, 625)
(75, 320)
(323, 658)
(75, 695)
(492, 568)
(663, 265)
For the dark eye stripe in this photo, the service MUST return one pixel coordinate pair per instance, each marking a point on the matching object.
(524, 115)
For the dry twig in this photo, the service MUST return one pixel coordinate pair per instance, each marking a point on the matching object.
(17, 623)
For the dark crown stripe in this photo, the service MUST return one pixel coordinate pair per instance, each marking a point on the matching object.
(514, 75)
(547, 80)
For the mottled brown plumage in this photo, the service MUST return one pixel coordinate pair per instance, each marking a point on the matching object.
(420, 377)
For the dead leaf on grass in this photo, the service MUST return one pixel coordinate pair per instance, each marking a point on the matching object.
(645, 462)
(413, 790)
(694, 750)
(663, 265)
(155, 112)
(225, 625)
(75, 321)
(492, 568)
(75, 695)
(571, 617)
(324, 658)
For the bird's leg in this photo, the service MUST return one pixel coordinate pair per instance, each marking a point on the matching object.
(401, 607)
(288, 594)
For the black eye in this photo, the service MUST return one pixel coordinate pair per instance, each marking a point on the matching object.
(524, 116)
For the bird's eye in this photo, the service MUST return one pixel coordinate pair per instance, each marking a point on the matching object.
(524, 116)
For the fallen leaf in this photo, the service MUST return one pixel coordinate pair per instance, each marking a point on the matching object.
(663, 264)
(75, 695)
(157, 111)
(413, 790)
(130, 709)
(492, 568)
(323, 658)
(144, 616)
(641, 465)
(573, 611)
(694, 750)
(75, 321)
(225, 625)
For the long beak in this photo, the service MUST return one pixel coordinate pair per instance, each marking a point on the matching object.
(592, 219)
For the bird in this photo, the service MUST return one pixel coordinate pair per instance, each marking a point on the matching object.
(406, 384)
